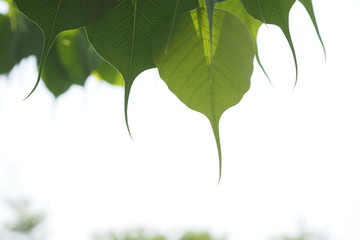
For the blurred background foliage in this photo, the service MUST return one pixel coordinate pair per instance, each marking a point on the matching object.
(25, 223)
(71, 60)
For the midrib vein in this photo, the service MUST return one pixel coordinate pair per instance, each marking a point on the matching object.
(133, 40)
(54, 21)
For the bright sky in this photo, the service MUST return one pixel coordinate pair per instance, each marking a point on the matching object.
(289, 155)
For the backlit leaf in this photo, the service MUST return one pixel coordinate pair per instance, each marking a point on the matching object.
(236, 7)
(207, 80)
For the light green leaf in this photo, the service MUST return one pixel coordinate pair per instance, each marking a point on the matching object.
(207, 80)
(105, 71)
(55, 16)
(236, 7)
(123, 37)
(274, 12)
(310, 9)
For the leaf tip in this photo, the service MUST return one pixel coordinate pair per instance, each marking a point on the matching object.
(36, 84)
(127, 93)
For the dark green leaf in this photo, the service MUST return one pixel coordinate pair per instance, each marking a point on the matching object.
(55, 76)
(56, 16)
(123, 37)
(273, 12)
(75, 53)
(27, 40)
(6, 62)
(309, 8)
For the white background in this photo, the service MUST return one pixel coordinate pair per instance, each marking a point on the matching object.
(289, 155)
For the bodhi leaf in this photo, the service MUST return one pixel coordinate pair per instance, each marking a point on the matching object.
(207, 80)
(123, 37)
(273, 12)
(56, 16)
(309, 8)
(236, 7)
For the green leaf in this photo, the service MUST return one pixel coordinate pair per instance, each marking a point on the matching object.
(27, 40)
(72, 60)
(6, 62)
(74, 53)
(56, 16)
(123, 37)
(236, 7)
(274, 12)
(105, 71)
(207, 80)
(310, 9)
(55, 76)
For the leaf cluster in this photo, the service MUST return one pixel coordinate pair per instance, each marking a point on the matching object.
(141, 235)
(203, 49)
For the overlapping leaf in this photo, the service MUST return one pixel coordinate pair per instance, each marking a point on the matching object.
(69, 62)
(124, 36)
(105, 71)
(72, 60)
(17, 41)
(207, 79)
(27, 39)
(273, 12)
(56, 16)
(236, 7)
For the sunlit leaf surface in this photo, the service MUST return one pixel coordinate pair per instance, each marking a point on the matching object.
(208, 80)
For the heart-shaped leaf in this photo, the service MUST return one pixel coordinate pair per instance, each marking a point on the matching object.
(207, 79)
(124, 36)
(55, 16)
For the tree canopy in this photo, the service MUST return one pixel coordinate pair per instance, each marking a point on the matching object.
(203, 49)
